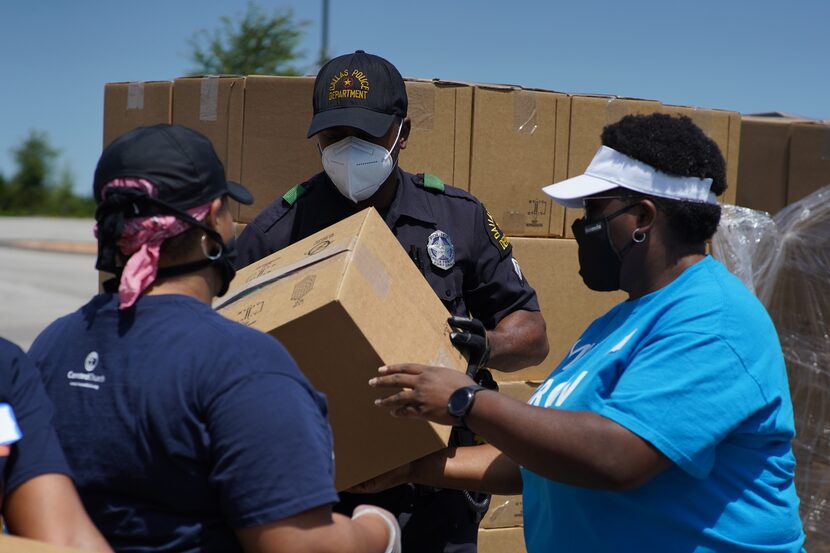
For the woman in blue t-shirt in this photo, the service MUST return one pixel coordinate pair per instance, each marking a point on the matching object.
(188, 432)
(667, 427)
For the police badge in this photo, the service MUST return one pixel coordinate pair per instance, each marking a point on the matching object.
(440, 249)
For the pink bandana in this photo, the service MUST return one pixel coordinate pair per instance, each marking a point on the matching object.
(141, 240)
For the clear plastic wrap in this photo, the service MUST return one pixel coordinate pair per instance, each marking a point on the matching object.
(789, 270)
(741, 230)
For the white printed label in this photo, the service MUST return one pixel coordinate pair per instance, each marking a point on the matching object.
(9, 431)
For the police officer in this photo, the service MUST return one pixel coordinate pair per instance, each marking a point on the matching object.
(361, 124)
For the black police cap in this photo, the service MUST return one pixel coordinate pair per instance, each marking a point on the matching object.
(358, 90)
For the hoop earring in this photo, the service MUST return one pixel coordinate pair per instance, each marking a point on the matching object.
(638, 236)
(212, 257)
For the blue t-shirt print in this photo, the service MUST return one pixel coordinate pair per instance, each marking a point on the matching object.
(576, 366)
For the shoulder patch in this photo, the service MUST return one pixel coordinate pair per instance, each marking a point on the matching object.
(294, 194)
(497, 235)
(433, 183)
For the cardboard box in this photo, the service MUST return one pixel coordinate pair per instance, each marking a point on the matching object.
(439, 142)
(519, 145)
(501, 540)
(784, 158)
(809, 160)
(763, 170)
(344, 302)
(505, 512)
(276, 155)
(551, 266)
(13, 544)
(135, 104)
(213, 105)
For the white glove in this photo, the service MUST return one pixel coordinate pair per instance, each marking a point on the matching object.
(394, 545)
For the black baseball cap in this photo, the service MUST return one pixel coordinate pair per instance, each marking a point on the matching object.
(179, 161)
(358, 90)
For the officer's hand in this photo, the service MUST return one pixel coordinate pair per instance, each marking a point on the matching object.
(470, 337)
(424, 393)
(394, 544)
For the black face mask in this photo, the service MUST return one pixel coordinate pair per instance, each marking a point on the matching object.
(599, 263)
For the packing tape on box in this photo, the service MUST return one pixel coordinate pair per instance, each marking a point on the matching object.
(209, 98)
(525, 119)
(421, 105)
(254, 284)
(135, 95)
(372, 271)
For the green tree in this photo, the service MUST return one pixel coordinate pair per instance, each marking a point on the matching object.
(35, 159)
(34, 188)
(257, 43)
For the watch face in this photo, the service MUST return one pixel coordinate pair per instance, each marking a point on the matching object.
(459, 402)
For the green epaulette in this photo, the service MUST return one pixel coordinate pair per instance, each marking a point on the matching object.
(433, 183)
(294, 194)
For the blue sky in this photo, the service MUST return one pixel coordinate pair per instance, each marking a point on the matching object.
(745, 55)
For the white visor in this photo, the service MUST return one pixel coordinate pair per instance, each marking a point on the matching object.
(610, 169)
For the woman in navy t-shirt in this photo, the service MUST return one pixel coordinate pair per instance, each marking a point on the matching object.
(187, 431)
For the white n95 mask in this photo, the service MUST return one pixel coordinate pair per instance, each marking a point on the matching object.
(357, 167)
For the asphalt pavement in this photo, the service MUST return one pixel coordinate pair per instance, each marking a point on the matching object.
(47, 269)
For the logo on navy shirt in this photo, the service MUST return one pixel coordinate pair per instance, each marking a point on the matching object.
(87, 379)
(91, 361)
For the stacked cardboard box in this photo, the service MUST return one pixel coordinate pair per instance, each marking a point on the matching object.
(135, 104)
(502, 143)
(519, 144)
(783, 159)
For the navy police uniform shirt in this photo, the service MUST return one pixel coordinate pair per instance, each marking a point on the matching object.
(446, 231)
(29, 446)
(181, 425)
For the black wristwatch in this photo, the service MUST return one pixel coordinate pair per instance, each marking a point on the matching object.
(461, 401)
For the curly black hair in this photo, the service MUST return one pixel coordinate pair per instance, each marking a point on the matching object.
(674, 145)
